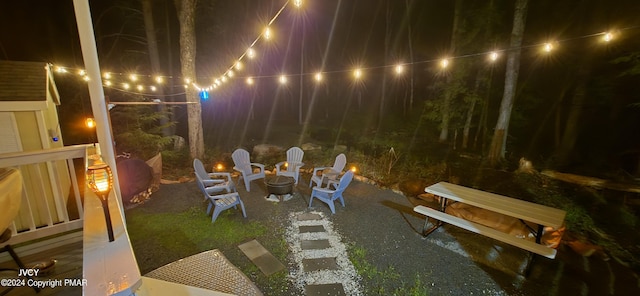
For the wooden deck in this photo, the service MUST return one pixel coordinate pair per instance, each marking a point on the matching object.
(68, 266)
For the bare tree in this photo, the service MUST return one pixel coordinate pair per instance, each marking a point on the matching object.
(186, 10)
(498, 143)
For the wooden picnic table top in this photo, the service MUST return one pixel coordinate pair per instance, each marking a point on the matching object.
(528, 211)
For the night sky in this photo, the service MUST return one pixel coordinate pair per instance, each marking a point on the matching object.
(338, 36)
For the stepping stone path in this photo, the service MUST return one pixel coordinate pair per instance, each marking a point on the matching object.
(323, 267)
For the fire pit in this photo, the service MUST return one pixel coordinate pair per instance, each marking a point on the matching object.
(279, 186)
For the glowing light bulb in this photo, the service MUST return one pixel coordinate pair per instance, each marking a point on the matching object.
(250, 81)
(133, 77)
(85, 78)
(107, 75)
(444, 63)
(107, 83)
(223, 79)
(357, 73)
(548, 47)
(230, 73)
(219, 167)
(153, 88)
(399, 69)
(61, 70)
(297, 3)
(159, 79)
(267, 33)
(251, 53)
(354, 169)
(318, 76)
(608, 36)
(140, 87)
(126, 85)
(238, 65)
(187, 80)
(282, 79)
(493, 56)
(90, 122)
(216, 82)
(82, 72)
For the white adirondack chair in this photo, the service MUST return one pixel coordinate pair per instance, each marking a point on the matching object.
(209, 180)
(291, 167)
(328, 172)
(220, 202)
(244, 165)
(328, 195)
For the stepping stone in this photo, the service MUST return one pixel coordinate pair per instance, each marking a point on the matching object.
(320, 264)
(261, 257)
(308, 217)
(311, 228)
(325, 289)
(317, 244)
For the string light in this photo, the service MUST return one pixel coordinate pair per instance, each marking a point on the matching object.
(251, 53)
(357, 73)
(267, 33)
(493, 56)
(399, 69)
(297, 3)
(282, 79)
(548, 47)
(444, 63)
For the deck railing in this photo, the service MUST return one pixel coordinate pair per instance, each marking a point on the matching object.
(52, 196)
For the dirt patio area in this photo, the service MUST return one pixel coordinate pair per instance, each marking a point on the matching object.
(451, 261)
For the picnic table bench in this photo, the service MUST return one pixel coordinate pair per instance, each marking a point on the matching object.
(520, 209)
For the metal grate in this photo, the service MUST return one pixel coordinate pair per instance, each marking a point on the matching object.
(207, 270)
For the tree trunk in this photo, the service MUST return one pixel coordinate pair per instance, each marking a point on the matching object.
(448, 97)
(471, 110)
(154, 59)
(186, 15)
(498, 143)
(408, 16)
(572, 125)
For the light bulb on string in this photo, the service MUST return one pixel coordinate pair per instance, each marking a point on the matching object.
(238, 65)
(159, 79)
(547, 47)
(297, 3)
(318, 76)
(107, 75)
(357, 73)
(126, 85)
(230, 73)
(107, 83)
(399, 69)
(133, 77)
(493, 56)
(251, 53)
(444, 63)
(607, 36)
(250, 81)
(282, 79)
(267, 33)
